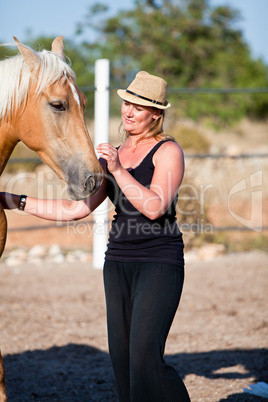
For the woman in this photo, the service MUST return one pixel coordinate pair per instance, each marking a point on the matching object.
(144, 265)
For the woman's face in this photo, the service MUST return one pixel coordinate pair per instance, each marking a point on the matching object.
(137, 119)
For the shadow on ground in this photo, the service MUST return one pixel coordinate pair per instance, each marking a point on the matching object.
(221, 364)
(82, 373)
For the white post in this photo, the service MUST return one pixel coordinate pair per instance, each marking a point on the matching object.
(101, 134)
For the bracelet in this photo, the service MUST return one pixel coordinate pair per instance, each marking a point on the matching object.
(22, 202)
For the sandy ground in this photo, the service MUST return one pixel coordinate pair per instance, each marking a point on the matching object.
(54, 340)
(53, 326)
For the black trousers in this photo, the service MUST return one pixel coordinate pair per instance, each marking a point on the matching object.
(141, 300)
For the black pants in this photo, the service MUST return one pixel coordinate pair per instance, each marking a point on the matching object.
(142, 299)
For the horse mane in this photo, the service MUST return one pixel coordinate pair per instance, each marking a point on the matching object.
(15, 80)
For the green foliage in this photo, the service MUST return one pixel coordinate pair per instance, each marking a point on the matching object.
(190, 44)
(6, 51)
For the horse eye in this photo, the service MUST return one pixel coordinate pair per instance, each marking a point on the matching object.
(58, 106)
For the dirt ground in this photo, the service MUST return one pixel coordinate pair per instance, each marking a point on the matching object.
(54, 340)
(53, 326)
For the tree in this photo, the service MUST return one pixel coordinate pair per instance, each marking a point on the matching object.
(7, 51)
(190, 44)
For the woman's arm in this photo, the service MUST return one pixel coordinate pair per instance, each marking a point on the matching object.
(56, 210)
(168, 174)
(51, 209)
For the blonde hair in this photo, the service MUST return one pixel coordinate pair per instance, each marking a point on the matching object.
(155, 130)
(15, 80)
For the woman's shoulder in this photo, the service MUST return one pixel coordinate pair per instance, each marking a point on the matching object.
(169, 147)
(169, 154)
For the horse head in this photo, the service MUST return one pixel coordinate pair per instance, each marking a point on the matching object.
(51, 120)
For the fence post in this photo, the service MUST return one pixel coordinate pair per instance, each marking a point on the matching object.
(101, 134)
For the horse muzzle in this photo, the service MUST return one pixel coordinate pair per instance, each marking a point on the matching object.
(90, 186)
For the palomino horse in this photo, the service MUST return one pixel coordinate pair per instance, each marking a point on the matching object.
(41, 106)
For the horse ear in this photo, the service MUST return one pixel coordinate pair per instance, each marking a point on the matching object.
(58, 48)
(29, 55)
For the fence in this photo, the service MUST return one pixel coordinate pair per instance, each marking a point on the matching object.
(102, 88)
(188, 157)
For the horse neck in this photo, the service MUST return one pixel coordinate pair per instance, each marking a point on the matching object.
(8, 142)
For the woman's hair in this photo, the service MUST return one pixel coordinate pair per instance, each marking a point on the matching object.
(156, 130)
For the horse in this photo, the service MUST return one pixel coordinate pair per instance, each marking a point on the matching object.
(41, 106)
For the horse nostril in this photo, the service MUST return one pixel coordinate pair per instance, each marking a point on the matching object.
(90, 184)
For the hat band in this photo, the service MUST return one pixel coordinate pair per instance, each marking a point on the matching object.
(147, 99)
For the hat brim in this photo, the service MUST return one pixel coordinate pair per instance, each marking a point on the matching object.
(138, 101)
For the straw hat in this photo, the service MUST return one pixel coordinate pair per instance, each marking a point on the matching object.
(146, 90)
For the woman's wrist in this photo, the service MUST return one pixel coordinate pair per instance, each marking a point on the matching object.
(22, 202)
(118, 172)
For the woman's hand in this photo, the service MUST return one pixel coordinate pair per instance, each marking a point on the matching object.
(110, 154)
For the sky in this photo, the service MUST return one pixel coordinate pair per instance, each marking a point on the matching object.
(32, 18)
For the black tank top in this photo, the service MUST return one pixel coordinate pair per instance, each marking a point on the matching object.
(134, 237)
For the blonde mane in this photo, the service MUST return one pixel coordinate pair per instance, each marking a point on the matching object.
(15, 80)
